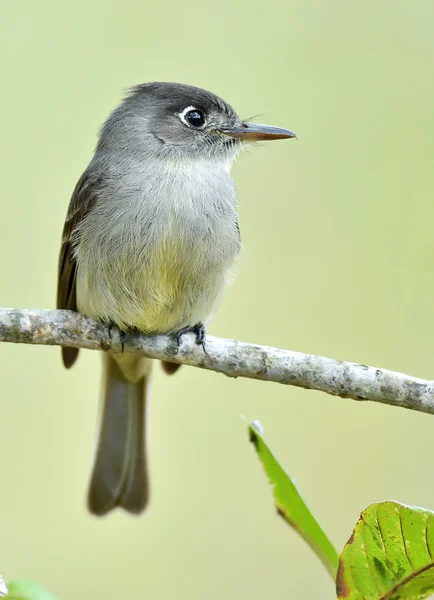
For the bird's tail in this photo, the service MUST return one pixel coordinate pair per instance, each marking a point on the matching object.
(119, 476)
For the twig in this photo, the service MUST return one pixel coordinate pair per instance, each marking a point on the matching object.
(233, 358)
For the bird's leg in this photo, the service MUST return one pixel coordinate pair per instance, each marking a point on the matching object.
(121, 334)
(198, 330)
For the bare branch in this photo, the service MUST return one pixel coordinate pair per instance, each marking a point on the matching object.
(233, 358)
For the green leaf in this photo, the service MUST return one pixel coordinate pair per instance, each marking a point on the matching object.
(389, 555)
(291, 506)
(23, 589)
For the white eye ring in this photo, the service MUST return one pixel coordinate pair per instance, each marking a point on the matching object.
(182, 116)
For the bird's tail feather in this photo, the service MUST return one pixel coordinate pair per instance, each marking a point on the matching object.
(119, 476)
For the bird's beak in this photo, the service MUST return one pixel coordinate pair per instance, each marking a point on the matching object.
(253, 132)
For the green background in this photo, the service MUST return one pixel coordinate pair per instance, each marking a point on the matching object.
(339, 261)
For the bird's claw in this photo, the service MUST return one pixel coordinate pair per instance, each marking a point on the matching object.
(121, 335)
(198, 330)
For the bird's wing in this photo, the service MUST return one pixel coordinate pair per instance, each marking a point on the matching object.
(82, 201)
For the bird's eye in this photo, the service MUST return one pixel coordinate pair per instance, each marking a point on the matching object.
(195, 118)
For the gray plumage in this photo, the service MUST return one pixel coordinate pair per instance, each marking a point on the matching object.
(149, 241)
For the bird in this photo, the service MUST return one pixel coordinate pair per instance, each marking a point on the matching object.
(149, 243)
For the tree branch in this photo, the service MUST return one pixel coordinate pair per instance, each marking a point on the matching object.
(233, 358)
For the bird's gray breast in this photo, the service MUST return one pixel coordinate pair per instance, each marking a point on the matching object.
(156, 251)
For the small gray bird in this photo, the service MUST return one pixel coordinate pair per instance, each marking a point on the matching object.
(148, 244)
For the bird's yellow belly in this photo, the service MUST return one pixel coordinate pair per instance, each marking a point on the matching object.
(162, 296)
(172, 287)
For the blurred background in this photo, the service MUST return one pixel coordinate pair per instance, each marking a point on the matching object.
(339, 261)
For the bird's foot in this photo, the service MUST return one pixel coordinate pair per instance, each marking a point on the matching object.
(121, 335)
(198, 330)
